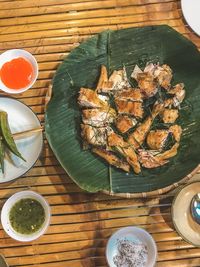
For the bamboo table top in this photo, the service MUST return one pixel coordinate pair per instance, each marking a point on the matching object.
(81, 222)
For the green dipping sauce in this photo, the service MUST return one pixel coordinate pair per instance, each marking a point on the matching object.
(27, 216)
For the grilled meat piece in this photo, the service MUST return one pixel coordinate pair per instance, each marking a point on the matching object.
(132, 158)
(129, 107)
(112, 159)
(176, 130)
(152, 159)
(95, 136)
(179, 94)
(116, 82)
(176, 89)
(88, 98)
(124, 123)
(98, 117)
(169, 115)
(138, 136)
(147, 84)
(156, 139)
(148, 159)
(153, 75)
(163, 74)
(103, 79)
(130, 94)
(169, 153)
(117, 142)
(135, 72)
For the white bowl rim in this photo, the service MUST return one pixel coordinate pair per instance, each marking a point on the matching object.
(126, 228)
(5, 212)
(173, 211)
(24, 54)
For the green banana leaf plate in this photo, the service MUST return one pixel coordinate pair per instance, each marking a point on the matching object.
(81, 68)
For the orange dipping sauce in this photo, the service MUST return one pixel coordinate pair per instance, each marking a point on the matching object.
(17, 73)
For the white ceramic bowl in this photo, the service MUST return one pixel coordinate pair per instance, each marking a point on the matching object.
(183, 221)
(15, 53)
(134, 234)
(6, 210)
(190, 10)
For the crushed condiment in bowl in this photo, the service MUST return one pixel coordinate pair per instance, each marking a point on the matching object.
(131, 247)
(130, 254)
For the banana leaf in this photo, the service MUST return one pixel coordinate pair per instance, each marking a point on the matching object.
(81, 68)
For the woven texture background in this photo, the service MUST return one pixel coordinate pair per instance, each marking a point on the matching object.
(82, 222)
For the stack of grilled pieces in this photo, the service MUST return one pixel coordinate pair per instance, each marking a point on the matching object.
(114, 121)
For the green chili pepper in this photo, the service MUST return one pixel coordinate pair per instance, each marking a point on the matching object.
(7, 135)
(2, 154)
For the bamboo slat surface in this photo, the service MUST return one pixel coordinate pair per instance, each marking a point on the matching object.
(81, 223)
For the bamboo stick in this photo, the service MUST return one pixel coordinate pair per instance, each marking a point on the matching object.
(26, 133)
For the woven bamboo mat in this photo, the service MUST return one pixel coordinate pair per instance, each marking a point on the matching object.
(82, 222)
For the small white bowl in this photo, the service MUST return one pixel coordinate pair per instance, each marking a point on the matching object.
(136, 235)
(15, 53)
(6, 210)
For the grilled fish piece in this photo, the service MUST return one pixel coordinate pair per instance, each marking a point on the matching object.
(132, 158)
(169, 153)
(116, 141)
(163, 74)
(176, 130)
(116, 82)
(179, 94)
(148, 159)
(90, 99)
(131, 94)
(135, 72)
(124, 123)
(95, 136)
(177, 99)
(129, 107)
(176, 89)
(103, 79)
(147, 84)
(152, 159)
(112, 159)
(138, 136)
(157, 138)
(153, 74)
(169, 115)
(98, 117)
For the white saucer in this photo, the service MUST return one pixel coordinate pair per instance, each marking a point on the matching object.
(21, 118)
(191, 9)
(182, 219)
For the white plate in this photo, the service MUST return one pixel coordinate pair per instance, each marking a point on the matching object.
(134, 234)
(21, 118)
(182, 219)
(191, 10)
